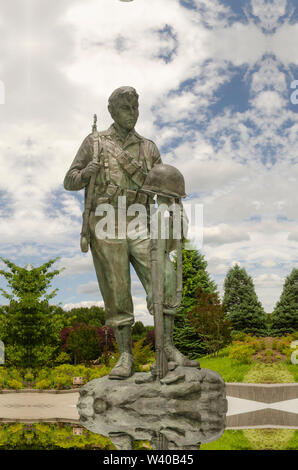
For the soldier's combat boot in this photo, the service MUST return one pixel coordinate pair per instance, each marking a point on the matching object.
(172, 353)
(125, 365)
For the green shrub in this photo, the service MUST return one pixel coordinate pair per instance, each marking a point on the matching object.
(43, 384)
(62, 358)
(97, 373)
(14, 373)
(43, 436)
(68, 369)
(142, 354)
(43, 374)
(241, 353)
(80, 370)
(28, 376)
(14, 384)
(61, 377)
(2, 382)
(287, 351)
(62, 381)
(262, 344)
(254, 345)
(224, 352)
(238, 335)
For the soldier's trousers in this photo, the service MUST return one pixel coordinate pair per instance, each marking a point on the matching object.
(112, 258)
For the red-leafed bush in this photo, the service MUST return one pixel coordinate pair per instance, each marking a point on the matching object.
(86, 342)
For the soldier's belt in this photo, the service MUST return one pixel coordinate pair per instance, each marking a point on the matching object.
(112, 193)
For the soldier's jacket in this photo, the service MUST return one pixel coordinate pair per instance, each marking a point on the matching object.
(114, 176)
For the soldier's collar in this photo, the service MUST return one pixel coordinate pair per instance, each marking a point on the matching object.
(132, 136)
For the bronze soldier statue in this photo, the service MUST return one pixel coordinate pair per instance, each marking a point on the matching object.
(110, 164)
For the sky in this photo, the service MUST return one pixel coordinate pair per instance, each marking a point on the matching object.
(214, 79)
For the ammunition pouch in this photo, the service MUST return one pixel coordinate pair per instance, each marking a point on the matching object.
(132, 168)
(129, 164)
(112, 192)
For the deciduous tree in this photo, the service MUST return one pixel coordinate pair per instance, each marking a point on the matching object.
(210, 321)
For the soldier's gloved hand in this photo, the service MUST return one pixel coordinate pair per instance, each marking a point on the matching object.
(91, 169)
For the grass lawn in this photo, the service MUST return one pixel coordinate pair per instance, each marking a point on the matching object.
(230, 440)
(293, 369)
(255, 439)
(257, 372)
(230, 370)
(277, 372)
(254, 360)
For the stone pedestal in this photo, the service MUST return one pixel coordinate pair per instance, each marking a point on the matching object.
(186, 408)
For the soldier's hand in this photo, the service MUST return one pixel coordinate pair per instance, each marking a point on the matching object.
(171, 245)
(91, 169)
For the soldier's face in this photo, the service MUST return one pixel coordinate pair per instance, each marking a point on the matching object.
(126, 112)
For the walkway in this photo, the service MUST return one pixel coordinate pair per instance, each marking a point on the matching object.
(32, 406)
(249, 406)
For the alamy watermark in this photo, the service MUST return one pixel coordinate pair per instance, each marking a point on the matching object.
(139, 221)
(294, 95)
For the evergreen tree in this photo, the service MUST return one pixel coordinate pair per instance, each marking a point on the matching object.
(284, 318)
(195, 275)
(245, 311)
(29, 328)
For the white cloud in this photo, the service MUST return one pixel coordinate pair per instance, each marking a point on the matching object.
(269, 280)
(223, 233)
(269, 13)
(89, 288)
(86, 303)
(78, 264)
(269, 102)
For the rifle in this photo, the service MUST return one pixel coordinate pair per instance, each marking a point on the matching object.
(85, 234)
(157, 253)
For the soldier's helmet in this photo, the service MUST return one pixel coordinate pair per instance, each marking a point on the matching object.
(165, 180)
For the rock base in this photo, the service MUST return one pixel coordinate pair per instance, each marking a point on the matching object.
(186, 408)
